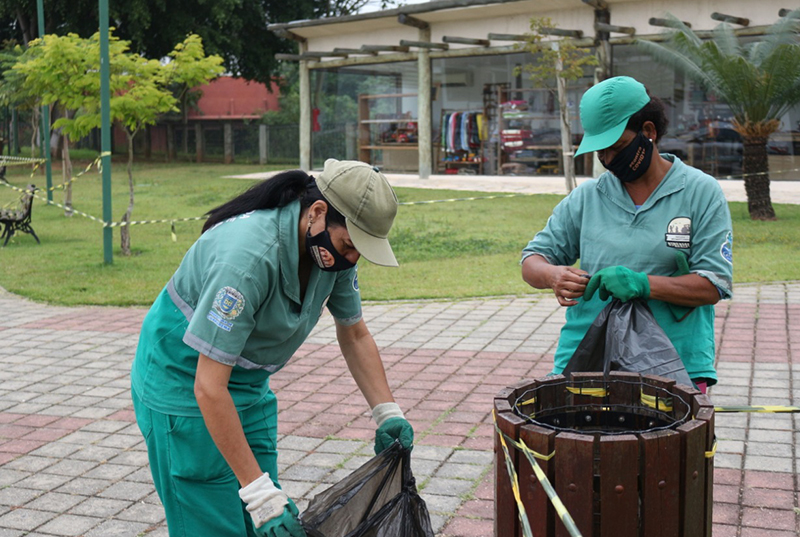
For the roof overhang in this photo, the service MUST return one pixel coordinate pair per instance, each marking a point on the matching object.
(430, 12)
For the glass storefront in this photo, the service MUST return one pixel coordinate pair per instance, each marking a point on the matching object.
(366, 113)
(700, 130)
(488, 119)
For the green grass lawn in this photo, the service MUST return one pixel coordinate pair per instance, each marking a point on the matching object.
(446, 250)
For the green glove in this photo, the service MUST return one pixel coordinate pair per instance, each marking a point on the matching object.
(619, 282)
(680, 312)
(391, 430)
(683, 264)
(285, 525)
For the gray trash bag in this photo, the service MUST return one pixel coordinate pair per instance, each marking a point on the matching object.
(626, 337)
(377, 500)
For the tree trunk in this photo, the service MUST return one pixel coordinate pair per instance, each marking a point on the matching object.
(755, 167)
(66, 170)
(67, 176)
(35, 120)
(566, 131)
(184, 106)
(25, 26)
(125, 229)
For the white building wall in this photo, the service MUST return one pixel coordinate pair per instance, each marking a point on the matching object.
(514, 18)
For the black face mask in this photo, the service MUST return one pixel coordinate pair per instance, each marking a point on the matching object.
(318, 245)
(633, 161)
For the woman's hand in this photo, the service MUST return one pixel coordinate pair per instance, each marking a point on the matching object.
(568, 283)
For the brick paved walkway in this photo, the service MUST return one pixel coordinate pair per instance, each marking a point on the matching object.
(72, 461)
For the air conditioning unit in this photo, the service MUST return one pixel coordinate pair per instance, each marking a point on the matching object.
(457, 78)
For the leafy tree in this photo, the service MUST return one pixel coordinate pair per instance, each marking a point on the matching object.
(560, 61)
(13, 94)
(232, 29)
(759, 81)
(67, 70)
(58, 70)
(188, 68)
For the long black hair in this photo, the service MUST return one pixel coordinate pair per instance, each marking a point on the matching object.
(277, 191)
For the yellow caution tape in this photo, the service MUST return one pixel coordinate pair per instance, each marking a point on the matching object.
(19, 161)
(761, 409)
(512, 475)
(531, 455)
(428, 202)
(170, 221)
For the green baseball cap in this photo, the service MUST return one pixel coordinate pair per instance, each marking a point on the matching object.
(605, 110)
(366, 199)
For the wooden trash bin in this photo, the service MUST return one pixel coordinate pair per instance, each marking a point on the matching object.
(632, 456)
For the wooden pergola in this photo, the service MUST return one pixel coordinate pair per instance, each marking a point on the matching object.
(423, 49)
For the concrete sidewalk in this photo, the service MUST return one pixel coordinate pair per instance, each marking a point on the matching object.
(72, 460)
(780, 191)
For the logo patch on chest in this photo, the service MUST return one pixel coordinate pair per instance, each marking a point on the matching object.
(228, 304)
(679, 233)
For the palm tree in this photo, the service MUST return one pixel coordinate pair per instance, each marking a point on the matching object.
(759, 81)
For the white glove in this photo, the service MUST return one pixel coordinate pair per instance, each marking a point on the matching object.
(264, 500)
(385, 411)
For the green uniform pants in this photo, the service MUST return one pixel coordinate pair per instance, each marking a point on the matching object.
(198, 489)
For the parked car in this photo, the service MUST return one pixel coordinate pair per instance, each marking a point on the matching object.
(715, 148)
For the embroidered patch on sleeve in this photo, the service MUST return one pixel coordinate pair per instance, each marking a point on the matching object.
(726, 250)
(228, 304)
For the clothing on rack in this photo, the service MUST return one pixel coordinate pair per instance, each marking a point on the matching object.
(461, 131)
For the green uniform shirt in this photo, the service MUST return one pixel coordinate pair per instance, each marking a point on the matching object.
(236, 298)
(599, 224)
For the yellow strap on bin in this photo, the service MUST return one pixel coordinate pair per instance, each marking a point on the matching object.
(591, 392)
(664, 404)
(710, 454)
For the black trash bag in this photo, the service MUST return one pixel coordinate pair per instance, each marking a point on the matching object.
(626, 337)
(378, 500)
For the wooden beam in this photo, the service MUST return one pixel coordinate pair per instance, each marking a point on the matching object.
(289, 57)
(577, 34)
(324, 54)
(667, 23)
(741, 21)
(408, 20)
(507, 37)
(466, 40)
(597, 4)
(603, 27)
(423, 44)
(383, 48)
(350, 51)
(467, 52)
(286, 34)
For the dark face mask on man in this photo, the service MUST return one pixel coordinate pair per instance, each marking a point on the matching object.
(321, 249)
(633, 160)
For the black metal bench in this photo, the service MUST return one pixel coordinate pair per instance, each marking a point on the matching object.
(19, 218)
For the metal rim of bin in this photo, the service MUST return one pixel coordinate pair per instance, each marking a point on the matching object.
(605, 417)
